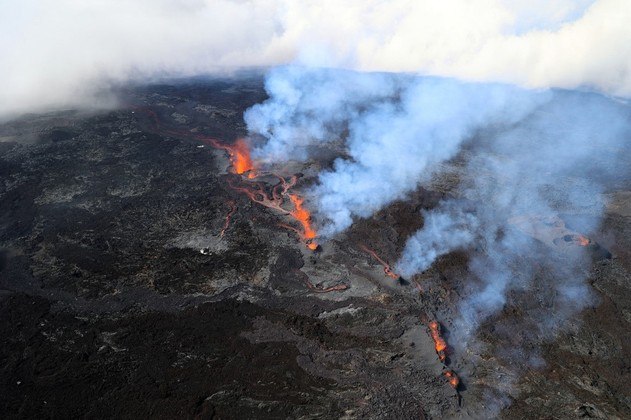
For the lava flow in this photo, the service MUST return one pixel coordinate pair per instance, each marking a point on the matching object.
(319, 289)
(243, 164)
(454, 381)
(233, 209)
(304, 217)
(386, 267)
(240, 158)
(439, 342)
(258, 193)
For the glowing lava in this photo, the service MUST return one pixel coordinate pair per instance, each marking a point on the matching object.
(243, 164)
(241, 160)
(304, 217)
(454, 381)
(386, 267)
(275, 199)
(439, 342)
(582, 240)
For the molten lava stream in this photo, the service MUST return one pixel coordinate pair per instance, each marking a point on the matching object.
(439, 342)
(304, 217)
(258, 193)
(386, 267)
(319, 289)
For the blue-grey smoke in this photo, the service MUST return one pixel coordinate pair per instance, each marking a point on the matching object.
(556, 162)
(533, 166)
(396, 130)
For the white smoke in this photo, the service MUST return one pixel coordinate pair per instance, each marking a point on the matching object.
(443, 232)
(397, 128)
(61, 53)
(528, 155)
(557, 161)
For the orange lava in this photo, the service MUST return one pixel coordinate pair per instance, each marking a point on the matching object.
(275, 199)
(582, 240)
(240, 158)
(242, 164)
(454, 381)
(304, 217)
(439, 342)
(386, 267)
(257, 192)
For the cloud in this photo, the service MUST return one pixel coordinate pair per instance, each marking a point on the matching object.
(62, 52)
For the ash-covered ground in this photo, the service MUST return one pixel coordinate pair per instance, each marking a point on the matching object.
(135, 281)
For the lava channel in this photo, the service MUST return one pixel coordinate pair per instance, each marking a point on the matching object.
(386, 267)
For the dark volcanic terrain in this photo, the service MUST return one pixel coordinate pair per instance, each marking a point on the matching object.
(120, 297)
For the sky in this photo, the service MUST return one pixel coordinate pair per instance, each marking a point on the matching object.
(60, 53)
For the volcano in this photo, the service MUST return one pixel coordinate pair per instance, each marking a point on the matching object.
(151, 266)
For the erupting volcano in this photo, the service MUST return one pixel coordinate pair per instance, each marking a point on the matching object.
(242, 164)
(257, 191)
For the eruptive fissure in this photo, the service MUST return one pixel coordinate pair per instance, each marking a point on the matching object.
(242, 164)
(454, 381)
(440, 345)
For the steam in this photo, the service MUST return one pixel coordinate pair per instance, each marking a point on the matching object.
(444, 231)
(528, 152)
(66, 53)
(398, 129)
(557, 161)
(524, 157)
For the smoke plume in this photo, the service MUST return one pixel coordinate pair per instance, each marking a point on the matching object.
(397, 128)
(528, 161)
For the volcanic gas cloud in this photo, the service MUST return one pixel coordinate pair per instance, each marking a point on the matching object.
(516, 153)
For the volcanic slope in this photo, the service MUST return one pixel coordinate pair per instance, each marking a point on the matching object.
(137, 280)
